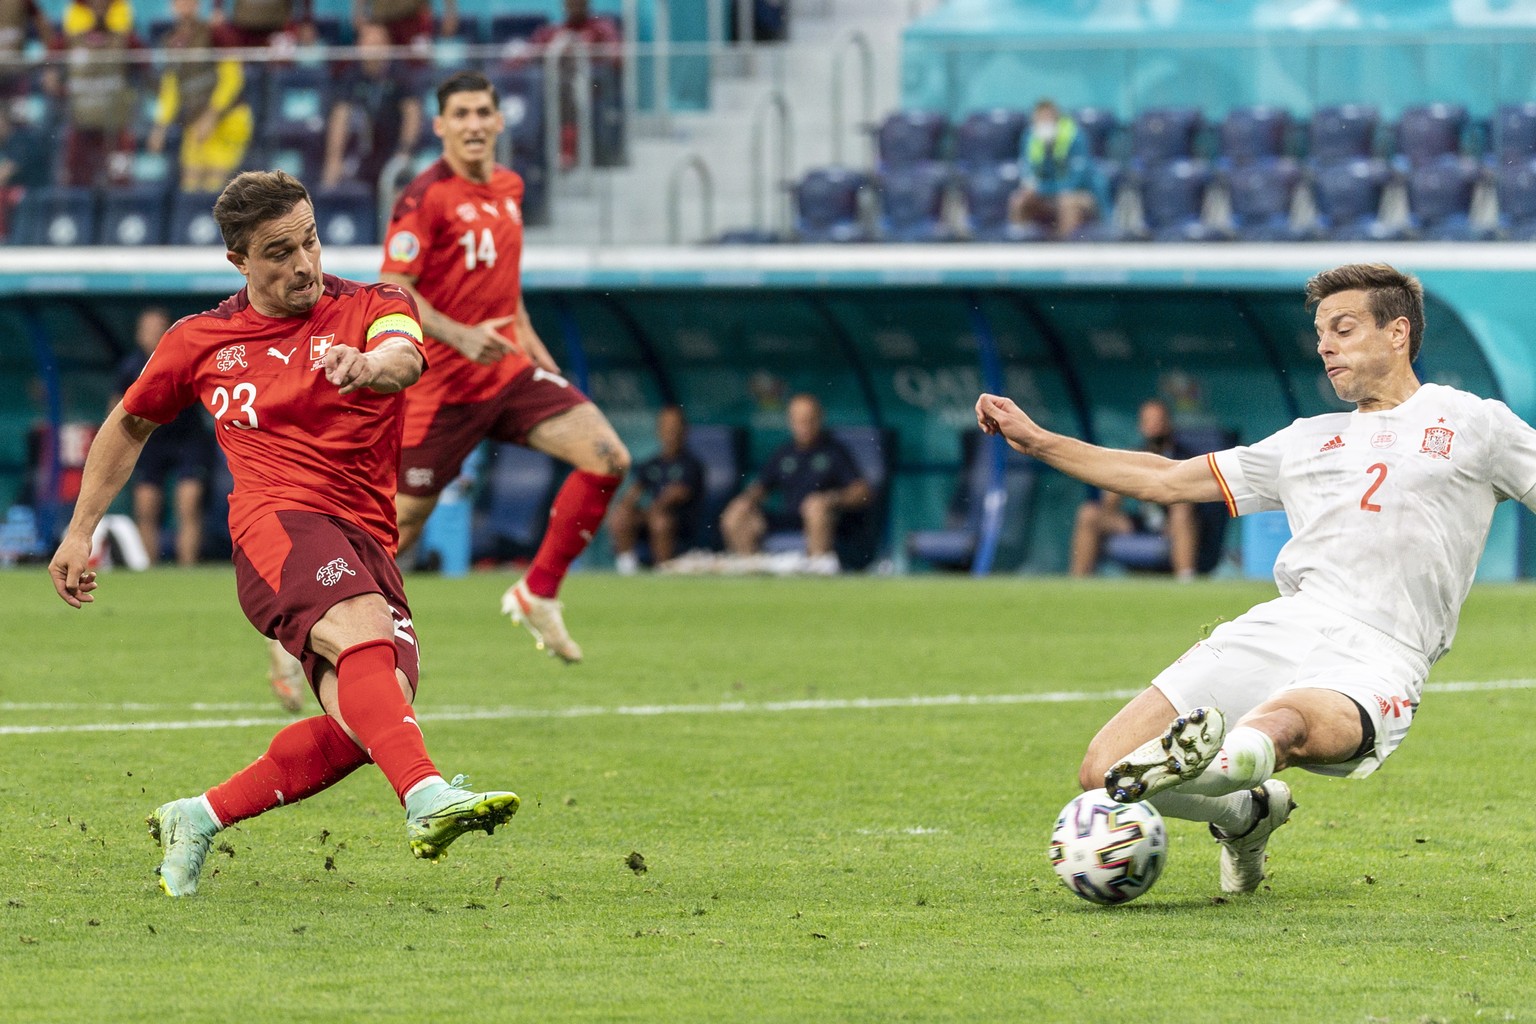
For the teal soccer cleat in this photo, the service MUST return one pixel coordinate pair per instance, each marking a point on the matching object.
(451, 812)
(185, 832)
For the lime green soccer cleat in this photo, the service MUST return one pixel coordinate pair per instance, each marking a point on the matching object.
(454, 810)
(184, 832)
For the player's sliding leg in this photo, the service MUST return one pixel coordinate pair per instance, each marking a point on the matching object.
(583, 437)
(1187, 748)
(286, 675)
(1241, 823)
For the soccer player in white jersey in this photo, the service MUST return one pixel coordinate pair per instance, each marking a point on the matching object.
(1328, 676)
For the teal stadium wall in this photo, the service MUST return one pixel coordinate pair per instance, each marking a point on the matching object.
(889, 335)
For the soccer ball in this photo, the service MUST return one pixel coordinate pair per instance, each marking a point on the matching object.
(1108, 852)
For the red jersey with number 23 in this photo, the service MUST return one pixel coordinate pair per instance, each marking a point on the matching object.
(463, 243)
(292, 439)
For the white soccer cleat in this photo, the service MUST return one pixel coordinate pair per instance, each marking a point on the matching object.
(541, 617)
(1242, 856)
(1180, 754)
(286, 674)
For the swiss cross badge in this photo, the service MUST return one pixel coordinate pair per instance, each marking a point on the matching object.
(1437, 442)
(318, 347)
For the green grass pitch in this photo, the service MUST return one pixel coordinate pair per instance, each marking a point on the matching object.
(820, 842)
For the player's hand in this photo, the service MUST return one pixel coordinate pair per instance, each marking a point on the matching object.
(533, 346)
(484, 343)
(72, 578)
(998, 415)
(347, 368)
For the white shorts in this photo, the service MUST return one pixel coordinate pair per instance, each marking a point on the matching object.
(1294, 643)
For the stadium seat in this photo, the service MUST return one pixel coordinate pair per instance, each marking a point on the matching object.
(748, 236)
(1163, 134)
(912, 203)
(1515, 187)
(515, 26)
(56, 215)
(1173, 201)
(1260, 194)
(989, 137)
(860, 535)
(1514, 133)
(346, 214)
(522, 109)
(296, 102)
(1338, 133)
(984, 192)
(192, 220)
(135, 214)
(1100, 127)
(954, 547)
(1149, 552)
(1426, 133)
(513, 505)
(1254, 133)
(909, 137)
(1348, 196)
(1440, 196)
(827, 206)
(722, 451)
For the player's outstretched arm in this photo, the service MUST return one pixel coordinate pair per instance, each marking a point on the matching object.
(394, 365)
(1140, 475)
(107, 467)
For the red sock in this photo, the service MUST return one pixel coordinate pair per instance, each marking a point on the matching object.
(370, 701)
(304, 758)
(573, 519)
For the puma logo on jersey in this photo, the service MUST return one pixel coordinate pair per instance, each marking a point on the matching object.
(284, 356)
(1333, 445)
(490, 208)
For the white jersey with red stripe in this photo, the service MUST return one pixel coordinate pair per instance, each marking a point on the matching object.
(1388, 510)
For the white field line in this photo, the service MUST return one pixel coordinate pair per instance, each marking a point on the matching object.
(485, 714)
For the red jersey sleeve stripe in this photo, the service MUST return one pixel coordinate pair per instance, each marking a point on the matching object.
(1221, 481)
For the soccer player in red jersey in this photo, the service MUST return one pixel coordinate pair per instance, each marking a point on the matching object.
(455, 242)
(303, 373)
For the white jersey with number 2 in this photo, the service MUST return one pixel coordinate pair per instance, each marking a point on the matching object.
(1388, 510)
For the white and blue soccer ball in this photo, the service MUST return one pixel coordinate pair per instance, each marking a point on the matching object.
(1108, 852)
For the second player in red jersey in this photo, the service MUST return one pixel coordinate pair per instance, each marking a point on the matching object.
(455, 242)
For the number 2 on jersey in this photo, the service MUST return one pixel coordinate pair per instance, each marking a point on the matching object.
(484, 252)
(244, 397)
(1380, 470)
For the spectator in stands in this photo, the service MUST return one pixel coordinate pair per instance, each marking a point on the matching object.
(102, 91)
(280, 24)
(18, 18)
(407, 22)
(818, 481)
(662, 500)
(1059, 183)
(377, 100)
(206, 98)
(184, 448)
(584, 30)
(24, 160)
(1106, 515)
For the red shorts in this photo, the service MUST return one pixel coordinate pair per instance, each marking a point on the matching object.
(293, 567)
(529, 399)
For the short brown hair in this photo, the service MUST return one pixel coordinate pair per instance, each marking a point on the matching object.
(252, 199)
(1390, 293)
(465, 81)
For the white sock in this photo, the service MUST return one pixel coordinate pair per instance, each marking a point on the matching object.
(430, 780)
(218, 826)
(1232, 813)
(1245, 760)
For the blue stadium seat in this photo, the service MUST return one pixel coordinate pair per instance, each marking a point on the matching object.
(1340, 132)
(135, 214)
(1440, 194)
(513, 505)
(192, 220)
(1173, 201)
(1515, 186)
(298, 96)
(1514, 133)
(515, 26)
(860, 535)
(1261, 193)
(1429, 132)
(1100, 127)
(909, 137)
(1254, 133)
(56, 215)
(954, 546)
(989, 137)
(346, 214)
(722, 451)
(985, 191)
(827, 206)
(1148, 552)
(1162, 134)
(1348, 197)
(912, 203)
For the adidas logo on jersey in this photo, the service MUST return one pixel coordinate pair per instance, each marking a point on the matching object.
(1336, 443)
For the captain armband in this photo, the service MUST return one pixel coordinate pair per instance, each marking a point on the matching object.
(394, 326)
